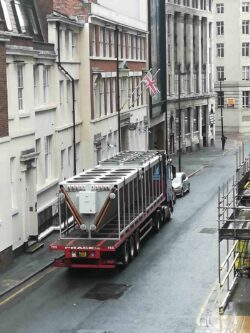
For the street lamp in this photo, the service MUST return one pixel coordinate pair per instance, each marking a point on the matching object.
(118, 89)
(171, 134)
(179, 110)
(212, 121)
(223, 137)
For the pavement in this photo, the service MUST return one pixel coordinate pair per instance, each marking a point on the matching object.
(26, 266)
(193, 162)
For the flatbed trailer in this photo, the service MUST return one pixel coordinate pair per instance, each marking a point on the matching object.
(105, 212)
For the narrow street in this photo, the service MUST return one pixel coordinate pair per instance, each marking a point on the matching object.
(162, 290)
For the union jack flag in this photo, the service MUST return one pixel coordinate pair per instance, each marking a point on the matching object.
(150, 84)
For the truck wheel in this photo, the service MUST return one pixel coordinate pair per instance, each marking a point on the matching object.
(124, 253)
(168, 214)
(157, 221)
(174, 196)
(132, 247)
(171, 207)
(137, 241)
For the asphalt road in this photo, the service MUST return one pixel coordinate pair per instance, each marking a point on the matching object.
(164, 287)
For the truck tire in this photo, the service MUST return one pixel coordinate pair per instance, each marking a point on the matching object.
(124, 253)
(166, 213)
(157, 219)
(174, 196)
(137, 241)
(132, 247)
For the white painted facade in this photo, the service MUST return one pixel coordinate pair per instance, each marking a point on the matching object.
(19, 161)
(54, 141)
(190, 51)
(40, 128)
(130, 8)
(7, 231)
(231, 33)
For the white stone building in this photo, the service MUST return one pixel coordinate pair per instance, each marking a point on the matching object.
(190, 53)
(39, 122)
(232, 62)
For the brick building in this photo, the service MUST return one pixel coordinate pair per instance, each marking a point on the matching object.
(104, 32)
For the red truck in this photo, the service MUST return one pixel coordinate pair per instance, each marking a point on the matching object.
(105, 212)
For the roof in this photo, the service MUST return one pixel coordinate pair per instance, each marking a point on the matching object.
(20, 17)
(113, 171)
(73, 20)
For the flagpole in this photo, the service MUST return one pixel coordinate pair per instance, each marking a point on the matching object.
(138, 96)
(133, 92)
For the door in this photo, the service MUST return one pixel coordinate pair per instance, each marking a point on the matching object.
(30, 204)
(204, 125)
(124, 138)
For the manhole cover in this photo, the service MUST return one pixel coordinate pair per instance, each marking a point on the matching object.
(208, 231)
(104, 291)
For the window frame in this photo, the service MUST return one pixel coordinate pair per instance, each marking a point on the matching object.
(13, 193)
(6, 15)
(48, 156)
(220, 50)
(245, 73)
(245, 49)
(19, 14)
(245, 27)
(220, 71)
(46, 84)
(220, 99)
(32, 20)
(220, 28)
(246, 99)
(220, 8)
(245, 7)
(20, 86)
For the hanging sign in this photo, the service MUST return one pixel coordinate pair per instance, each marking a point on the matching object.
(230, 102)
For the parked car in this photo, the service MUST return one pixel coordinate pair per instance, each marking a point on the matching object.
(181, 183)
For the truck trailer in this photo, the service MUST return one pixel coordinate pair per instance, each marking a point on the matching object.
(105, 212)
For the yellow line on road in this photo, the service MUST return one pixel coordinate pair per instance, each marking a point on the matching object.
(6, 300)
(205, 304)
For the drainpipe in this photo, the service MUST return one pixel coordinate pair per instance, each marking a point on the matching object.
(67, 74)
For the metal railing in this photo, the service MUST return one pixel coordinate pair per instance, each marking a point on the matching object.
(232, 229)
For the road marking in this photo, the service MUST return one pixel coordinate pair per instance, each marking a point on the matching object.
(204, 305)
(6, 300)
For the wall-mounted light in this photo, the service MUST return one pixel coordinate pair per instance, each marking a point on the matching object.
(110, 145)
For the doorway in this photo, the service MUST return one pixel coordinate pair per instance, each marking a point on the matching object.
(204, 125)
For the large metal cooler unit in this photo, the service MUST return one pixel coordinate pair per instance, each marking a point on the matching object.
(101, 207)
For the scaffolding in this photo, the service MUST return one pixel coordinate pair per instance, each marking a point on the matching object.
(233, 230)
